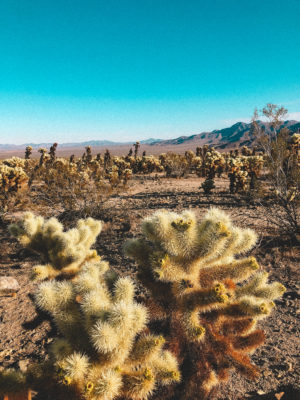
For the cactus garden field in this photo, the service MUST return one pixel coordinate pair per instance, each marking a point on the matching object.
(173, 276)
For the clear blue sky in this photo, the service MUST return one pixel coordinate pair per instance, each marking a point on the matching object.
(73, 70)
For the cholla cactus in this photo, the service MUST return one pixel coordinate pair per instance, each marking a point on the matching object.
(174, 164)
(106, 160)
(15, 162)
(237, 176)
(210, 300)
(28, 151)
(246, 151)
(12, 179)
(136, 148)
(104, 350)
(295, 138)
(213, 162)
(63, 253)
(52, 152)
(253, 166)
(88, 154)
(44, 156)
(208, 185)
(100, 355)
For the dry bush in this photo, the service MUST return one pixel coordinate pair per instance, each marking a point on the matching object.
(282, 161)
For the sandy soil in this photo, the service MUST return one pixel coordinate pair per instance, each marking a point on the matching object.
(23, 338)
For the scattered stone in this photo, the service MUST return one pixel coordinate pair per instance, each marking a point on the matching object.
(261, 392)
(290, 367)
(267, 372)
(8, 285)
(23, 364)
(279, 395)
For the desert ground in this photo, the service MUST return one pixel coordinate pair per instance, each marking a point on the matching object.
(24, 336)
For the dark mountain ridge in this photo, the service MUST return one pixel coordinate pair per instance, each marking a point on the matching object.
(237, 135)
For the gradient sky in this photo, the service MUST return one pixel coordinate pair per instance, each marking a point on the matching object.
(74, 70)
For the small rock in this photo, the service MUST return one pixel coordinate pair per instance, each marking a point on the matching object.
(279, 395)
(23, 364)
(267, 372)
(261, 392)
(8, 285)
(289, 367)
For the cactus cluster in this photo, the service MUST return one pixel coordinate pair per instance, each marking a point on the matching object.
(208, 299)
(12, 178)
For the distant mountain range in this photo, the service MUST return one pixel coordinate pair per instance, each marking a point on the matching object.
(237, 135)
(101, 143)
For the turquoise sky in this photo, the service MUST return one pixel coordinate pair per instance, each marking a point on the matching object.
(73, 70)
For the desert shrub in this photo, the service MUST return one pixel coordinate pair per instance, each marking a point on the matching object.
(282, 160)
(207, 301)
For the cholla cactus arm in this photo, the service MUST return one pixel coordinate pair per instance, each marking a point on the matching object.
(211, 299)
(258, 287)
(146, 348)
(237, 271)
(63, 252)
